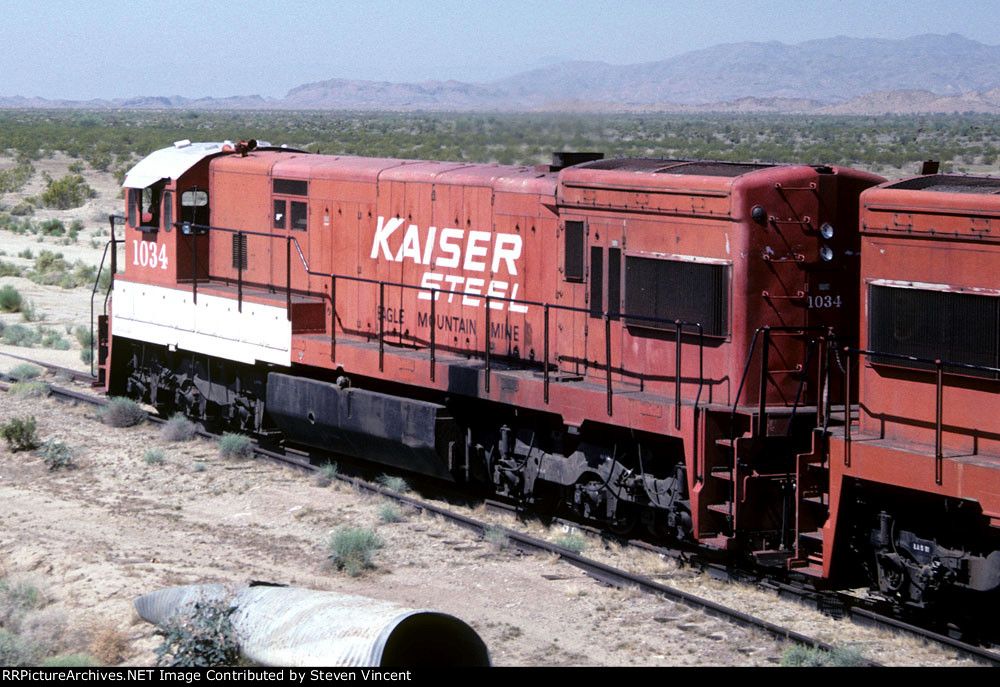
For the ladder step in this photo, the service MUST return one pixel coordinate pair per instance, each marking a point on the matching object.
(720, 507)
(821, 499)
(810, 569)
(722, 473)
(815, 535)
(718, 541)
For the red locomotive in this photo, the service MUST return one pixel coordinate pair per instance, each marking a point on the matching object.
(641, 341)
(914, 483)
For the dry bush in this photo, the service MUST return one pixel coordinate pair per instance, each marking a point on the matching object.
(178, 428)
(389, 512)
(233, 445)
(16, 651)
(109, 644)
(30, 389)
(497, 538)
(17, 597)
(49, 629)
(122, 412)
(352, 549)
(394, 482)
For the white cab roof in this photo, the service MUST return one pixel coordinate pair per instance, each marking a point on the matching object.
(170, 163)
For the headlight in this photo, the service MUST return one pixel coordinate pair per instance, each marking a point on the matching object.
(826, 231)
(826, 253)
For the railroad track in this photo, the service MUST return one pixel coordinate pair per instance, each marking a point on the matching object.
(599, 571)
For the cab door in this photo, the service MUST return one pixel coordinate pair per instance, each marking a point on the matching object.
(289, 218)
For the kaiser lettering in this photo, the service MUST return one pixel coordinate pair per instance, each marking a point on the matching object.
(452, 248)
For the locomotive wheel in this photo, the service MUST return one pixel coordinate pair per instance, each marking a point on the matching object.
(891, 575)
(626, 522)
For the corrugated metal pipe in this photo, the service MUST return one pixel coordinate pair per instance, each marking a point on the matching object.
(291, 626)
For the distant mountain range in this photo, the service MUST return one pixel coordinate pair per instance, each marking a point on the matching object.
(923, 74)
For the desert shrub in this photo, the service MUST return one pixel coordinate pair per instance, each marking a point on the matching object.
(325, 475)
(10, 270)
(15, 651)
(25, 371)
(30, 389)
(29, 314)
(53, 339)
(56, 455)
(71, 191)
(199, 466)
(806, 656)
(19, 335)
(351, 549)
(178, 428)
(17, 597)
(235, 446)
(389, 512)
(321, 481)
(99, 160)
(203, 637)
(23, 208)
(108, 644)
(52, 269)
(154, 456)
(572, 541)
(83, 274)
(10, 299)
(122, 412)
(104, 281)
(394, 483)
(12, 180)
(52, 227)
(47, 261)
(87, 356)
(497, 538)
(84, 337)
(26, 254)
(21, 434)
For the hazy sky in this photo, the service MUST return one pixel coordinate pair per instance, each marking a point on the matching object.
(81, 49)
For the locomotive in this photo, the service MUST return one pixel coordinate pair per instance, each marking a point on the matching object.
(646, 343)
(917, 476)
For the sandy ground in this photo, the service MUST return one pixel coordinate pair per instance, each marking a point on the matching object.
(95, 537)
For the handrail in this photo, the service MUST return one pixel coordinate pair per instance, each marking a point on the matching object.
(678, 325)
(113, 244)
(938, 370)
(762, 391)
(802, 380)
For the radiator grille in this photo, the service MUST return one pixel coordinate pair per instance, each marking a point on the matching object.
(675, 290)
(936, 325)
